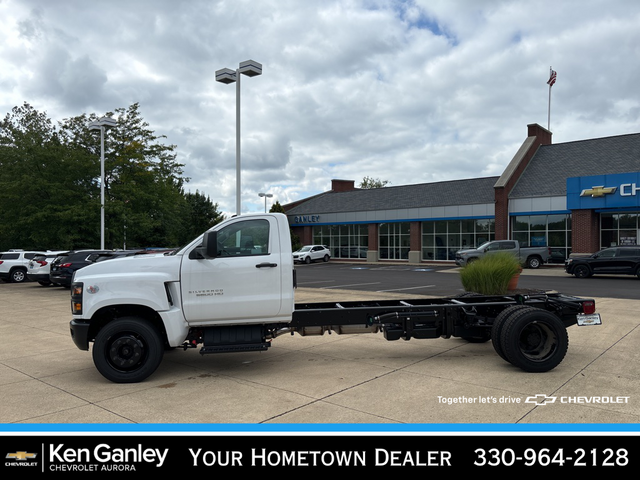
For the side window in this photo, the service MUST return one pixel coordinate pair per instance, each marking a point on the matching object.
(507, 246)
(245, 238)
(608, 253)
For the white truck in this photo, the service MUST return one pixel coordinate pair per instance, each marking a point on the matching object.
(232, 289)
(531, 257)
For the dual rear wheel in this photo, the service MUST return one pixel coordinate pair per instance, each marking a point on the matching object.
(532, 339)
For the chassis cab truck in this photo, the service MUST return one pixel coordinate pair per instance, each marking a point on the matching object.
(232, 289)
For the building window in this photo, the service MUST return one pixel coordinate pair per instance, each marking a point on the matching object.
(344, 241)
(441, 239)
(618, 229)
(394, 241)
(553, 231)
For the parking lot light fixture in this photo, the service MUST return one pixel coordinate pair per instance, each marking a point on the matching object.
(265, 195)
(250, 68)
(102, 124)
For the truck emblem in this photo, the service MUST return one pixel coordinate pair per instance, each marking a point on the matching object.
(600, 191)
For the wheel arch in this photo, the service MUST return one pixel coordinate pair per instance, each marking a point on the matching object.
(108, 314)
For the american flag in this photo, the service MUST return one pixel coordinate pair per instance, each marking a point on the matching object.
(552, 78)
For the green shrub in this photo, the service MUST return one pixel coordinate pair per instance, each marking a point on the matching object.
(490, 275)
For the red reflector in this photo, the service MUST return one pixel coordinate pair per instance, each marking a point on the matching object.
(65, 265)
(589, 307)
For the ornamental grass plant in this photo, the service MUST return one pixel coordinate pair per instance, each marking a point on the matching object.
(490, 274)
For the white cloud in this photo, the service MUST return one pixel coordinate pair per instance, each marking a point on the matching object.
(406, 91)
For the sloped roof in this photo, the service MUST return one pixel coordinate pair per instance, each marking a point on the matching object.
(552, 164)
(456, 192)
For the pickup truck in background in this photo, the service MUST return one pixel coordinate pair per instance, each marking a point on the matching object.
(531, 257)
(232, 290)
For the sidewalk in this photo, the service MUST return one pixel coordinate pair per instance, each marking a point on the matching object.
(332, 379)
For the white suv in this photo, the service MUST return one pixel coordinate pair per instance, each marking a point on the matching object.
(14, 265)
(311, 253)
(40, 266)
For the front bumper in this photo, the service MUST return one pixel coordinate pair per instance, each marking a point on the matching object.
(80, 333)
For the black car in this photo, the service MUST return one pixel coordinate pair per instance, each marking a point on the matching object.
(63, 267)
(623, 260)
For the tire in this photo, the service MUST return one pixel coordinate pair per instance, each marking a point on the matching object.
(307, 260)
(128, 350)
(326, 258)
(18, 276)
(534, 262)
(498, 324)
(534, 340)
(581, 271)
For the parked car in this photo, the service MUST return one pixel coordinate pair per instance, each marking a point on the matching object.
(624, 260)
(14, 265)
(40, 265)
(531, 257)
(64, 266)
(312, 253)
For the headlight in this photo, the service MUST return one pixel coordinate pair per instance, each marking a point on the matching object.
(76, 298)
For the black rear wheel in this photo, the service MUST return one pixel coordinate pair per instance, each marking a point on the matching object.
(534, 340)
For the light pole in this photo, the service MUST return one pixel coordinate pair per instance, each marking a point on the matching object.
(102, 125)
(265, 195)
(249, 68)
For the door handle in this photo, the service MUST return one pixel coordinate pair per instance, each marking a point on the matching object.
(266, 265)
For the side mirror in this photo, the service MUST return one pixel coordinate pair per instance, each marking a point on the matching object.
(210, 244)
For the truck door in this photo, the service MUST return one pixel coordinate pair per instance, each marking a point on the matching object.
(242, 282)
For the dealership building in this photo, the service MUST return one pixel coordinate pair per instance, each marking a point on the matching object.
(575, 197)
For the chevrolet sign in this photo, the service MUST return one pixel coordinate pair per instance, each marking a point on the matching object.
(616, 190)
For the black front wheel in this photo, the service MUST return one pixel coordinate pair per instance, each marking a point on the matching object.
(534, 340)
(128, 350)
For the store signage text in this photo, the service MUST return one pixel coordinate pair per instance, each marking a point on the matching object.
(628, 189)
(306, 219)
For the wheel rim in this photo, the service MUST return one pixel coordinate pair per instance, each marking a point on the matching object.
(581, 272)
(126, 352)
(538, 342)
(18, 276)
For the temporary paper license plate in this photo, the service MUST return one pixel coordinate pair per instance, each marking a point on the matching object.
(589, 319)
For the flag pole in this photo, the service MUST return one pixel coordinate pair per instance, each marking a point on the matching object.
(550, 82)
(549, 105)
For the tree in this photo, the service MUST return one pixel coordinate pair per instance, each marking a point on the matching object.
(200, 214)
(50, 183)
(370, 182)
(46, 191)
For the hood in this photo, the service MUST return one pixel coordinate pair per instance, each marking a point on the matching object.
(167, 267)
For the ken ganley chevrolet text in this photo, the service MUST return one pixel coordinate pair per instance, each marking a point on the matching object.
(103, 457)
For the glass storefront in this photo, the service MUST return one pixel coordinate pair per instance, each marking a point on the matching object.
(441, 239)
(394, 241)
(344, 241)
(553, 230)
(619, 229)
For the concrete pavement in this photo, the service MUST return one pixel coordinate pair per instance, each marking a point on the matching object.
(332, 379)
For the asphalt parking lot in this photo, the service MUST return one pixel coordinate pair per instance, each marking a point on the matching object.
(332, 379)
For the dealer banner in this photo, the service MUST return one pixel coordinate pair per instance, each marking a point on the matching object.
(411, 455)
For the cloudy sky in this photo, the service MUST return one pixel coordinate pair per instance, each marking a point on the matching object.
(406, 91)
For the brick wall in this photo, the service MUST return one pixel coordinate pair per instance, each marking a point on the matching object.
(586, 231)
